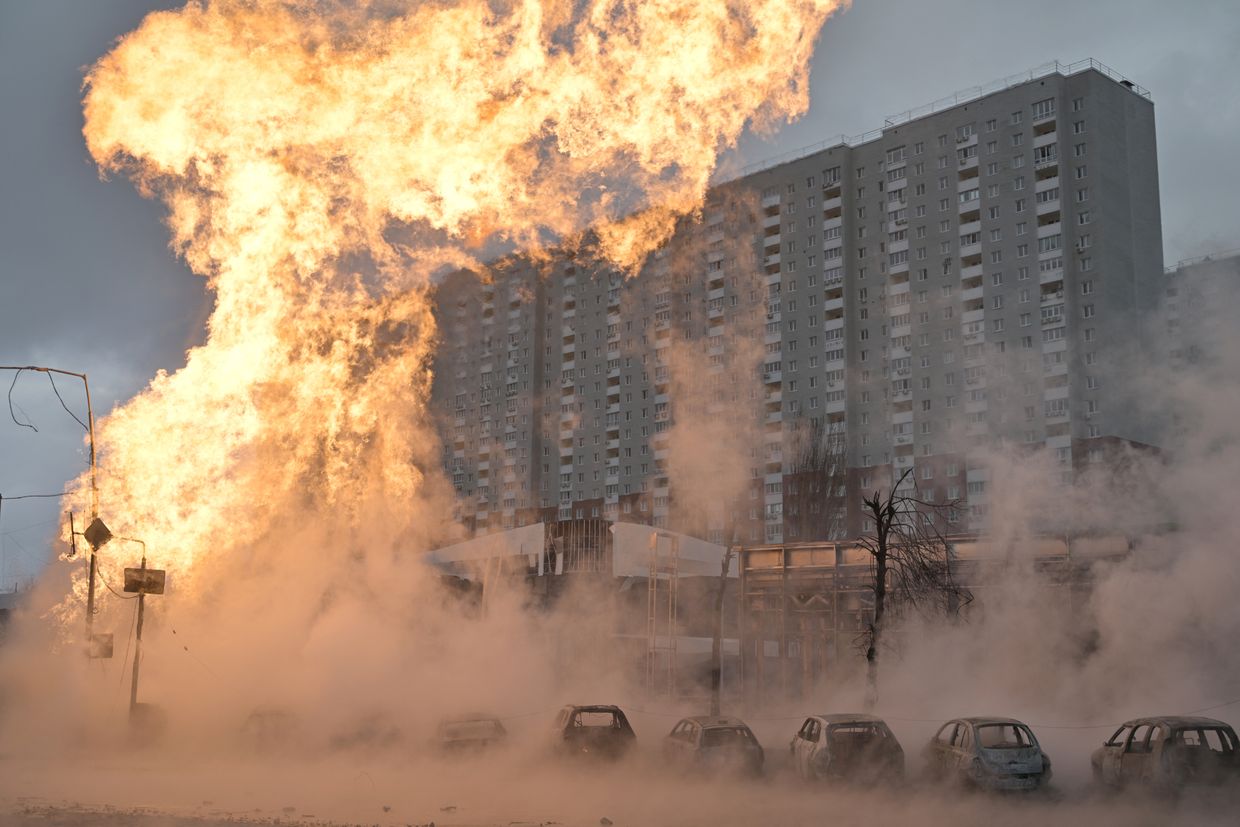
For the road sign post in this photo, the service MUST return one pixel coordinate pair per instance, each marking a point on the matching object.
(144, 581)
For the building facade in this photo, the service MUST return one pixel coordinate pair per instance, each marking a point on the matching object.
(1197, 296)
(975, 274)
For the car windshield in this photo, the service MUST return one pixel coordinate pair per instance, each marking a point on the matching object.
(732, 736)
(596, 719)
(1004, 736)
(857, 731)
(463, 730)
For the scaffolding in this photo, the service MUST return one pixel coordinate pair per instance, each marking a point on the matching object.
(662, 604)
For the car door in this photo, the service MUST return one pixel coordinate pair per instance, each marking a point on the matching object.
(815, 740)
(800, 748)
(672, 744)
(962, 749)
(685, 742)
(939, 750)
(1112, 752)
(1135, 761)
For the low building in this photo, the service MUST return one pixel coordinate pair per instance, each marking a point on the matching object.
(805, 607)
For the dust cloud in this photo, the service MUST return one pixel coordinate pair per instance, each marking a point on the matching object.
(303, 656)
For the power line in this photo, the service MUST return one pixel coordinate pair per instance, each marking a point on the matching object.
(56, 391)
(12, 385)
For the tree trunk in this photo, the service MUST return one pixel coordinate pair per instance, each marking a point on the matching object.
(876, 626)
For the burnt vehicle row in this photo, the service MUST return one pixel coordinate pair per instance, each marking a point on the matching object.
(1162, 754)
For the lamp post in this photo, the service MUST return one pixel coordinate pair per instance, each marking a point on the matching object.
(96, 533)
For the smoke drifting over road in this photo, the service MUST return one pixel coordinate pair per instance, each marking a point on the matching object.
(320, 164)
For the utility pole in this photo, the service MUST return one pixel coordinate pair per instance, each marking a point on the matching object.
(143, 581)
(137, 645)
(96, 533)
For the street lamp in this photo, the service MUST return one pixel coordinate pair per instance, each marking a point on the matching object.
(96, 533)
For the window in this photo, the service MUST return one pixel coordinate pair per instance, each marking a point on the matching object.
(1084, 217)
(1087, 311)
(1078, 150)
(1078, 104)
(1046, 154)
(1078, 127)
(1050, 243)
(1081, 172)
(1082, 195)
(1018, 139)
(1044, 109)
(1087, 287)
(1017, 117)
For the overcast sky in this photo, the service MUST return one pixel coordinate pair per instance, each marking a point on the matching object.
(87, 282)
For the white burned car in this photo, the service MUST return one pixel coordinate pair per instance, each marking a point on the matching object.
(989, 754)
(850, 747)
(1169, 754)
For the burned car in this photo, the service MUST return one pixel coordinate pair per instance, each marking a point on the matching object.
(988, 754)
(1168, 754)
(847, 747)
(600, 731)
(272, 729)
(469, 734)
(714, 744)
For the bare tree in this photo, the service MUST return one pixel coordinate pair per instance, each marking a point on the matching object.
(821, 474)
(912, 563)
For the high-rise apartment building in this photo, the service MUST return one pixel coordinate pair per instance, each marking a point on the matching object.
(976, 273)
(1198, 297)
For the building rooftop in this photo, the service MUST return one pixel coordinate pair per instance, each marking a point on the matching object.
(957, 98)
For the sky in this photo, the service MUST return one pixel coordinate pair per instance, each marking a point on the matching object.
(87, 282)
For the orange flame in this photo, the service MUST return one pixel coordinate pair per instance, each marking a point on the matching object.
(319, 165)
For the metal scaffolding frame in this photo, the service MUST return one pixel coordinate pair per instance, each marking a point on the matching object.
(662, 603)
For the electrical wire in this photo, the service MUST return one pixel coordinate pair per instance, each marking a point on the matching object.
(12, 385)
(197, 659)
(99, 573)
(34, 496)
(56, 391)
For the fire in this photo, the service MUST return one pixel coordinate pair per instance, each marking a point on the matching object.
(319, 165)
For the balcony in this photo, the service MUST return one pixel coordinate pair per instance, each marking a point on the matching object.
(970, 272)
